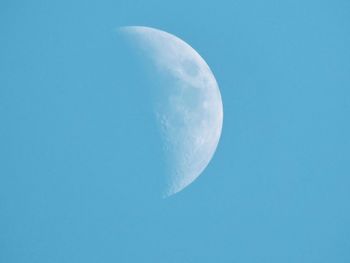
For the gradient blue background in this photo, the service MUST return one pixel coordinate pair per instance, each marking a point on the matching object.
(80, 156)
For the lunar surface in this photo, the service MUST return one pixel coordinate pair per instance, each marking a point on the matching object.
(188, 107)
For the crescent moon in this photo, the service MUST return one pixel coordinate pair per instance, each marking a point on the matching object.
(189, 110)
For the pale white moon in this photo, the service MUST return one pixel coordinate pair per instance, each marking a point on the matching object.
(189, 107)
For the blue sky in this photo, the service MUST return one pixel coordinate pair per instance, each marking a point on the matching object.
(80, 155)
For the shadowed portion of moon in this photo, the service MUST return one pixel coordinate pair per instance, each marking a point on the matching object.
(188, 104)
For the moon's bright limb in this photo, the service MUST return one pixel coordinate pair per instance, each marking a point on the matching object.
(189, 110)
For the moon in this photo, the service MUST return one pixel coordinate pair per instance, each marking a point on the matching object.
(188, 108)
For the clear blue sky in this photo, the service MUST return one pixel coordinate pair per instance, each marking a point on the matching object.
(79, 152)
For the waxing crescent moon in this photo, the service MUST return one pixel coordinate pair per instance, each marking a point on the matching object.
(189, 110)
